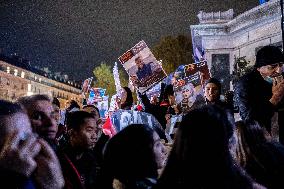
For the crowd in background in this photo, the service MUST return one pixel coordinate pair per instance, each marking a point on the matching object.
(42, 148)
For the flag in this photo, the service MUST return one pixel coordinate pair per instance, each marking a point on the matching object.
(108, 128)
(199, 56)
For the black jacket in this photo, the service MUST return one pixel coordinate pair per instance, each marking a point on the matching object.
(252, 95)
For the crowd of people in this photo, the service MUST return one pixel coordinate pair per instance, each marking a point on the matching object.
(210, 149)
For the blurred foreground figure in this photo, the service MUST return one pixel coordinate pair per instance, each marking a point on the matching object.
(200, 157)
(25, 160)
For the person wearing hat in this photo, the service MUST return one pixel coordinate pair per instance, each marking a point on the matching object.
(212, 94)
(212, 91)
(259, 93)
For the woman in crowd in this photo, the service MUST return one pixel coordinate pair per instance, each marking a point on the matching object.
(125, 100)
(132, 158)
(261, 158)
(200, 156)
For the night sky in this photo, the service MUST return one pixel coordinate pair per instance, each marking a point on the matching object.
(73, 36)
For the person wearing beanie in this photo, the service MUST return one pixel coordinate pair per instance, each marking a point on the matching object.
(259, 93)
(212, 91)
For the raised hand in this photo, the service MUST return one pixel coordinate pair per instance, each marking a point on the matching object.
(277, 90)
(17, 154)
(48, 174)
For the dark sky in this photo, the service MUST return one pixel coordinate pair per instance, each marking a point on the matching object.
(73, 36)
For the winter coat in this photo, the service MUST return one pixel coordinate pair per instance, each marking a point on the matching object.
(252, 95)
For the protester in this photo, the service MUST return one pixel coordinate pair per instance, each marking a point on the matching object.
(157, 110)
(133, 157)
(92, 109)
(62, 130)
(72, 106)
(77, 158)
(262, 158)
(212, 91)
(125, 99)
(102, 138)
(259, 93)
(200, 156)
(171, 100)
(43, 118)
(25, 161)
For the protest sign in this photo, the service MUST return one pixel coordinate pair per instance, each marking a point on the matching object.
(96, 95)
(189, 88)
(103, 107)
(142, 67)
(86, 85)
(122, 118)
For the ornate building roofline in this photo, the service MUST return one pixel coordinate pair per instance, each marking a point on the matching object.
(259, 14)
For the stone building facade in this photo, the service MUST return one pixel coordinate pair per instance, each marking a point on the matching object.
(226, 39)
(16, 82)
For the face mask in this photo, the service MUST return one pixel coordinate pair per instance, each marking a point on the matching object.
(269, 79)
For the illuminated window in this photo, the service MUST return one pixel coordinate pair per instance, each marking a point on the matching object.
(15, 72)
(23, 75)
(8, 69)
(29, 87)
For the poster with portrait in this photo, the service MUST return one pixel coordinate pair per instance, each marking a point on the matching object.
(103, 107)
(187, 92)
(188, 88)
(142, 67)
(96, 95)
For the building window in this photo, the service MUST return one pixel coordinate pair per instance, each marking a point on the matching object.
(35, 77)
(23, 75)
(15, 72)
(39, 80)
(29, 90)
(8, 69)
(29, 87)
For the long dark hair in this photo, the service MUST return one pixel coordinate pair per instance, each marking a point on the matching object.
(129, 99)
(201, 149)
(251, 138)
(261, 157)
(129, 156)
